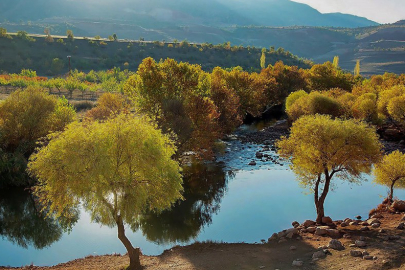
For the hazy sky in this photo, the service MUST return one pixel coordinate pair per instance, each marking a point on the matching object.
(382, 11)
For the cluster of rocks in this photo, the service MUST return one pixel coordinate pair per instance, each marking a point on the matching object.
(331, 229)
(266, 135)
(261, 155)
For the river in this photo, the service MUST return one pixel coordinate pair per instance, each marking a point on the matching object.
(225, 201)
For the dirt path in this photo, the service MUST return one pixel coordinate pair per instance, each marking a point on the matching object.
(386, 246)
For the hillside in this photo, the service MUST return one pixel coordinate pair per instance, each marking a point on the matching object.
(87, 54)
(151, 14)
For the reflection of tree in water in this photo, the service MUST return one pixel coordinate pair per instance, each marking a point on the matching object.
(204, 187)
(22, 224)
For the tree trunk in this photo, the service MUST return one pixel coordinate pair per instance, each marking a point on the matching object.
(320, 212)
(133, 253)
(319, 201)
(392, 190)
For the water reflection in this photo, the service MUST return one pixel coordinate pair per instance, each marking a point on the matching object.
(204, 187)
(21, 223)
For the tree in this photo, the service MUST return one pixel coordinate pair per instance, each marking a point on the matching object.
(30, 114)
(97, 37)
(357, 68)
(56, 66)
(3, 32)
(69, 34)
(48, 38)
(263, 59)
(117, 169)
(321, 148)
(391, 171)
(336, 61)
(115, 38)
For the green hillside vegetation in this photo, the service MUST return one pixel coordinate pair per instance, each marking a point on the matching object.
(48, 55)
(380, 48)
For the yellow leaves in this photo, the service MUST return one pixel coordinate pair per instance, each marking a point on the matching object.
(125, 158)
(317, 143)
(396, 109)
(109, 105)
(391, 171)
(27, 115)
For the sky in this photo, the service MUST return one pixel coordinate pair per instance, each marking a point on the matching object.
(381, 11)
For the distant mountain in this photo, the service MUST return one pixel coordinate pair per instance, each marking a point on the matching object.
(157, 13)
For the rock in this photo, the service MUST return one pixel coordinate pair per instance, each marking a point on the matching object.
(311, 229)
(273, 237)
(304, 230)
(391, 237)
(282, 240)
(382, 231)
(378, 215)
(322, 230)
(343, 224)
(365, 228)
(375, 225)
(347, 220)
(326, 220)
(295, 224)
(318, 255)
(347, 236)
(365, 253)
(333, 233)
(362, 238)
(259, 155)
(372, 221)
(298, 263)
(365, 224)
(293, 248)
(401, 226)
(360, 243)
(403, 218)
(356, 253)
(308, 223)
(358, 217)
(352, 245)
(252, 163)
(353, 223)
(375, 258)
(336, 245)
(398, 206)
(368, 257)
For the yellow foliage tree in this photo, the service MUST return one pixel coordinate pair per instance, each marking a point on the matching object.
(391, 172)
(109, 105)
(321, 148)
(27, 115)
(115, 169)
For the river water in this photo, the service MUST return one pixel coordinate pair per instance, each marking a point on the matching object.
(225, 201)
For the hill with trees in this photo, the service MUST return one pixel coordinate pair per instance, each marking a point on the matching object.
(158, 13)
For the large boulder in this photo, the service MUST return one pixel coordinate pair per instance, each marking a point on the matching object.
(372, 221)
(398, 206)
(321, 230)
(332, 233)
(308, 223)
(327, 220)
(336, 244)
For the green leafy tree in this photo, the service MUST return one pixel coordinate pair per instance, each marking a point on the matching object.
(25, 116)
(69, 35)
(391, 172)
(3, 32)
(97, 37)
(117, 169)
(322, 149)
(56, 66)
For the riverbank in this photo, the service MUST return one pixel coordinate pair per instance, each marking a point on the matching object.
(384, 244)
